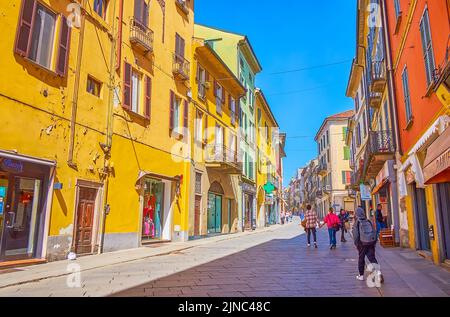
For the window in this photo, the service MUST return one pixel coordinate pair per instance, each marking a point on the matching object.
(398, 10)
(93, 86)
(136, 94)
(232, 105)
(201, 81)
(346, 153)
(358, 135)
(427, 47)
(141, 12)
(175, 105)
(344, 133)
(36, 36)
(357, 102)
(198, 183)
(386, 116)
(199, 127)
(364, 124)
(406, 95)
(328, 155)
(100, 7)
(135, 91)
(219, 93)
(179, 47)
(259, 115)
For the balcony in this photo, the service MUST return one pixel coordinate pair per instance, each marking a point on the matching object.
(220, 157)
(141, 37)
(380, 148)
(322, 169)
(327, 189)
(182, 5)
(378, 76)
(181, 67)
(375, 99)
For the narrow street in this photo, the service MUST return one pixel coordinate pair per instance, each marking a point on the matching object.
(270, 262)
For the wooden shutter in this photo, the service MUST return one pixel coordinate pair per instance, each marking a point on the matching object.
(186, 116)
(229, 102)
(63, 48)
(223, 95)
(171, 112)
(205, 124)
(25, 27)
(145, 13)
(148, 96)
(127, 86)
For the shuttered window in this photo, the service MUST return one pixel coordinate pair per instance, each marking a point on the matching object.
(36, 35)
(406, 95)
(127, 86)
(179, 46)
(141, 12)
(100, 7)
(148, 97)
(346, 153)
(427, 47)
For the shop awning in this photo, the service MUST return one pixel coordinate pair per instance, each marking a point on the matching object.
(437, 161)
(144, 174)
(438, 127)
(380, 186)
(26, 158)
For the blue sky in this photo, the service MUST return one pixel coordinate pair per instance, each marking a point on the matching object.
(288, 35)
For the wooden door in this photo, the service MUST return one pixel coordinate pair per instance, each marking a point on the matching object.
(85, 220)
(198, 204)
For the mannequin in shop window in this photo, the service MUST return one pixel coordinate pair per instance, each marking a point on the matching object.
(149, 216)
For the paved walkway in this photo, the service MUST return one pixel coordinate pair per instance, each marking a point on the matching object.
(271, 262)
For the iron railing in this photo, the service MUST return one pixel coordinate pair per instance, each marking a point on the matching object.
(380, 142)
(141, 35)
(219, 153)
(181, 66)
(378, 71)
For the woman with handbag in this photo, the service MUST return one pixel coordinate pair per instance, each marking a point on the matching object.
(333, 224)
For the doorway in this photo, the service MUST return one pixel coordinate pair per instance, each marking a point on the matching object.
(421, 218)
(214, 213)
(85, 220)
(443, 194)
(153, 214)
(20, 202)
(197, 209)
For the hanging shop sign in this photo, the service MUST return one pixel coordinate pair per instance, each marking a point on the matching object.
(365, 192)
(269, 187)
(437, 161)
(269, 200)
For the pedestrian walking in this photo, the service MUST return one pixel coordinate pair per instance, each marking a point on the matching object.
(333, 223)
(365, 239)
(344, 219)
(310, 226)
(381, 224)
(282, 216)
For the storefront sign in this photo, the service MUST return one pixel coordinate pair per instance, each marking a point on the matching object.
(437, 160)
(14, 166)
(269, 200)
(365, 192)
(269, 187)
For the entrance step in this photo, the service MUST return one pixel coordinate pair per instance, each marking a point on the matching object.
(20, 263)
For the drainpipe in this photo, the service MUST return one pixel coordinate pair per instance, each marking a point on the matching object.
(394, 123)
(109, 123)
(76, 88)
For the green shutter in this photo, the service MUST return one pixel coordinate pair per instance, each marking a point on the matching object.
(346, 153)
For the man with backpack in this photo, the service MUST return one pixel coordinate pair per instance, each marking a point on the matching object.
(365, 238)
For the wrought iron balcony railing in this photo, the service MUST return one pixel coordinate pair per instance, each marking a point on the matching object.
(141, 36)
(380, 142)
(378, 76)
(181, 67)
(220, 154)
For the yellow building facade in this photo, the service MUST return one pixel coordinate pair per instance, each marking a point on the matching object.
(214, 133)
(267, 128)
(103, 91)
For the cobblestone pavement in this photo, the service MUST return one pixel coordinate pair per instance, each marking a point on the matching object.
(271, 263)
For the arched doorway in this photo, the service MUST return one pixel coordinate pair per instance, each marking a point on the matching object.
(215, 198)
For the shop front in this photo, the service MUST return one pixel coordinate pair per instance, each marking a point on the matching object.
(437, 173)
(248, 206)
(156, 219)
(25, 184)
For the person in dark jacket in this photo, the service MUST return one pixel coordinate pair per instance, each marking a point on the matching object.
(344, 218)
(365, 249)
(381, 224)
